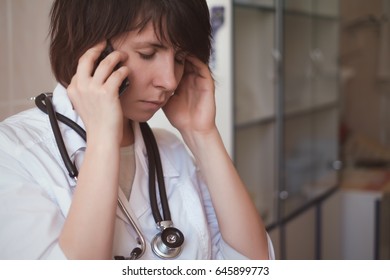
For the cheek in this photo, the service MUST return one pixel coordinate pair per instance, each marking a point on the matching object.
(139, 71)
(138, 79)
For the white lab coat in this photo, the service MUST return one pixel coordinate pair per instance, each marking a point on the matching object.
(36, 192)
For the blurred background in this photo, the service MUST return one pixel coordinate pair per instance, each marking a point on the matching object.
(303, 92)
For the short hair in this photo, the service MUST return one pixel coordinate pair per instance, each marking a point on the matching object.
(77, 25)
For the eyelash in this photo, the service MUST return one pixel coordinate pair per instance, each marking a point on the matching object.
(179, 58)
(147, 56)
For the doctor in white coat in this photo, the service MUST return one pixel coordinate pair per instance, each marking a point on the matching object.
(163, 49)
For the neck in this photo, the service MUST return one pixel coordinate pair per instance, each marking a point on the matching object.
(128, 133)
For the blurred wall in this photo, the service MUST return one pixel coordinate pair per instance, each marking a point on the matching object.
(25, 68)
(24, 63)
(365, 94)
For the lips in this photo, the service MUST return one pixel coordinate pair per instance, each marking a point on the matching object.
(152, 104)
(157, 103)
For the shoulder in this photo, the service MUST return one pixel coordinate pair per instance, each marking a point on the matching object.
(173, 148)
(24, 129)
(23, 141)
(167, 138)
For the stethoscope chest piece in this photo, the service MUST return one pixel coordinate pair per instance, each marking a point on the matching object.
(168, 242)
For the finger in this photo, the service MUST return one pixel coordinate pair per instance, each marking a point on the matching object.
(117, 77)
(195, 65)
(109, 65)
(86, 64)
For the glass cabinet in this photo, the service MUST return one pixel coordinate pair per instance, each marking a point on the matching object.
(286, 101)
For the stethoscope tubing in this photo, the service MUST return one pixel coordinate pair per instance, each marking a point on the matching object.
(140, 236)
(53, 118)
(73, 125)
(155, 166)
(43, 102)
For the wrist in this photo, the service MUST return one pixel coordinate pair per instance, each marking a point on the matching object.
(201, 142)
(104, 138)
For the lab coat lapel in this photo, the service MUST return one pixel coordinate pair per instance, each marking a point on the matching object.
(139, 197)
(120, 214)
(168, 167)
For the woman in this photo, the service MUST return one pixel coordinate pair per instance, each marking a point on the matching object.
(162, 47)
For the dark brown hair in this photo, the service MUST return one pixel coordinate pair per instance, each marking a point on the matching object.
(78, 25)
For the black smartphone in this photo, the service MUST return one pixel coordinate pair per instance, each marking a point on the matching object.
(109, 49)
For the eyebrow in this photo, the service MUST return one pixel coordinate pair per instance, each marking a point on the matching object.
(147, 44)
(155, 44)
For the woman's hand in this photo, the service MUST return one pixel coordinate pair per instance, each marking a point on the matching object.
(94, 93)
(192, 111)
(192, 107)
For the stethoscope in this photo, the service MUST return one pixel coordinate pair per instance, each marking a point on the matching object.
(169, 240)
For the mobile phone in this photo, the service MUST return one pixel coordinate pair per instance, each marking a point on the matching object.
(109, 49)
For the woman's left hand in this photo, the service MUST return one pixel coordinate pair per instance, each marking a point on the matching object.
(192, 111)
(192, 107)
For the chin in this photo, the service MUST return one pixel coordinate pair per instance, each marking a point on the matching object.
(140, 118)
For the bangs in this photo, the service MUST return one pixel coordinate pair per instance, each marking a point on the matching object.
(76, 26)
(176, 23)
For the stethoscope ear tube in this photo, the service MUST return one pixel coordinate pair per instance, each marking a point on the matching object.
(137, 252)
(41, 101)
(73, 172)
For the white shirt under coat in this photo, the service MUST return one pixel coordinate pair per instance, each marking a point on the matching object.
(36, 191)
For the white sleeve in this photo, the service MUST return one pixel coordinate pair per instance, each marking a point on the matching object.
(30, 221)
(220, 249)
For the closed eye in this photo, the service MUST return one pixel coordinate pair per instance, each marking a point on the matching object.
(147, 56)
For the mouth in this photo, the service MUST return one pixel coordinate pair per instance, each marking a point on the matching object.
(152, 104)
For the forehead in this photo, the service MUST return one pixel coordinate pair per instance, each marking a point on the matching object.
(150, 33)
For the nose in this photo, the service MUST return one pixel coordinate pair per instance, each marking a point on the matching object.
(167, 75)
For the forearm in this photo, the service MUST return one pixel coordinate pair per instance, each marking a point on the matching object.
(238, 219)
(89, 227)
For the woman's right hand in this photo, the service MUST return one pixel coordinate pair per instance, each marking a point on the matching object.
(94, 93)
